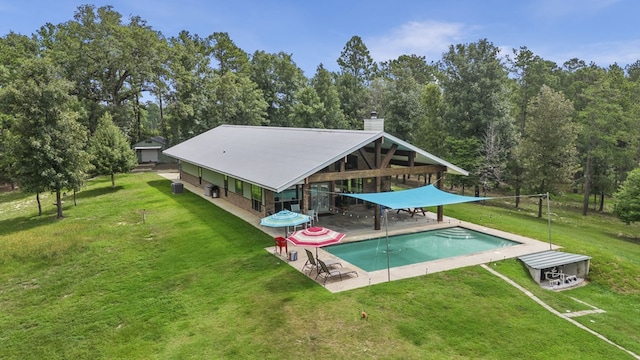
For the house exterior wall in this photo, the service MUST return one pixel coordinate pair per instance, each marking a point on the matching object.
(192, 170)
(239, 201)
(203, 177)
(191, 179)
(213, 178)
(268, 202)
(189, 173)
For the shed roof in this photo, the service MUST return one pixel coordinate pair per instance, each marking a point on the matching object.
(279, 157)
(150, 143)
(550, 258)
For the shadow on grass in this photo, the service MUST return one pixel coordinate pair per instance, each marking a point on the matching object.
(24, 223)
(276, 275)
(191, 202)
(14, 195)
(628, 238)
(164, 186)
(246, 245)
(206, 211)
(199, 207)
(94, 192)
(16, 224)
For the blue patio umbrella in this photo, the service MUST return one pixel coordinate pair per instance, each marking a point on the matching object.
(285, 218)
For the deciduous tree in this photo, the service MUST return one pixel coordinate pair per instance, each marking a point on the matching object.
(236, 100)
(110, 62)
(14, 50)
(475, 91)
(109, 149)
(280, 80)
(627, 198)
(189, 77)
(409, 65)
(49, 146)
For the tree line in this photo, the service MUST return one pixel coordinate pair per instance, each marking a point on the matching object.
(514, 120)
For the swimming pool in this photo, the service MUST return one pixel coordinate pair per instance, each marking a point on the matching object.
(371, 255)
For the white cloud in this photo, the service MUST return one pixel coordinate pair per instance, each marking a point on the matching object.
(430, 39)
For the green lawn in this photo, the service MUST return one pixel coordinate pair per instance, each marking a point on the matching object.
(136, 272)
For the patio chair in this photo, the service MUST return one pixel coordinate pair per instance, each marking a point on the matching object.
(552, 274)
(295, 208)
(313, 216)
(313, 265)
(327, 273)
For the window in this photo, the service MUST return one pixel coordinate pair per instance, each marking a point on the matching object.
(256, 198)
(239, 187)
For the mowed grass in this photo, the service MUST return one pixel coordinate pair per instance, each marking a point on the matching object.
(136, 272)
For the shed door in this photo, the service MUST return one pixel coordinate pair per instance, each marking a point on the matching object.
(149, 155)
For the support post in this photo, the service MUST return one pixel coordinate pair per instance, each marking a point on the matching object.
(549, 221)
(440, 215)
(378, 182)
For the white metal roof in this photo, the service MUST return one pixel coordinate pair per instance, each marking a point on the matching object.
(148, 147)
(550, 258)
(279, 157)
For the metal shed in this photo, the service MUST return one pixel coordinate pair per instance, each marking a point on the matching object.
(555, 268)
(150, 150)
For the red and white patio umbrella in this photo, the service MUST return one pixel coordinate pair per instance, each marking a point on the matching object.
(316, 237)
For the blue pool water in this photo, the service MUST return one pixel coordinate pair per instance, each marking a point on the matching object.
(371, 255)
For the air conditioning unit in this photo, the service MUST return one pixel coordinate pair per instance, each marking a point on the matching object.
(177, 188)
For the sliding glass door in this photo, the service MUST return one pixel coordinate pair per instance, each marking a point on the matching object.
(320, 197)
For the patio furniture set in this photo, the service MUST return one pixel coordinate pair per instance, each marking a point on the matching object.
(325, 269)
(557, 278)
(314, 236)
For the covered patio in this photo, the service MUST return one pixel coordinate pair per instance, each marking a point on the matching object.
(557, 270)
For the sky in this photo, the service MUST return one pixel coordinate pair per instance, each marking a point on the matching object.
(315, 32)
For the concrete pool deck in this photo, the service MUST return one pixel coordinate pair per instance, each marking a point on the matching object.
(357, 224)
(526, 246)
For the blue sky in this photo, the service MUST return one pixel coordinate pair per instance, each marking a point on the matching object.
(314, 32)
